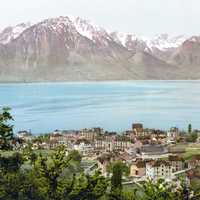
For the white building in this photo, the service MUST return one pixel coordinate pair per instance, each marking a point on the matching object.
(159, 169)
(25, 135)
(111, 145)
(172, 135)
(84, 148)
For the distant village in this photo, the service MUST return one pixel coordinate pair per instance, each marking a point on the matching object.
(150, 153)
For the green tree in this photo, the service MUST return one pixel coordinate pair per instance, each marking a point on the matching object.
(129, 195)
(50, 171)
(160, 190)
(192, 137)
(29, 155)
(56, 178)
(10, 179)
(118, 169)
(11, 163)
(88, 187)
(6, 130)
(75, 156)
(190, 128)
(42, 138)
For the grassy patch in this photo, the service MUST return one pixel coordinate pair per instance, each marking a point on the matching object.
(7, 153)
(40, 151)
(190, 149)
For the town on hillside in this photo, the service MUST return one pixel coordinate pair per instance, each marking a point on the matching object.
(149, 153)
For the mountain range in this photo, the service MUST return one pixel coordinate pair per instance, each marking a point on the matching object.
(74, 49)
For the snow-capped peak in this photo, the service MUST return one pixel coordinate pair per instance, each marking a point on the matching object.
(194, 39)
(56, 24)
(11, 33)
(84, 27)
(88, 29)
(164, 41)
(123, 38)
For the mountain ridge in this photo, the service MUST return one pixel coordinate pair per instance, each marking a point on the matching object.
(73, 49)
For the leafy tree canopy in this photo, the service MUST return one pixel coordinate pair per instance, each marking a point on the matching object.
(6, 130)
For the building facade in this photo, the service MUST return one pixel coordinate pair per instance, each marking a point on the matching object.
(137, 169)
(159, 169)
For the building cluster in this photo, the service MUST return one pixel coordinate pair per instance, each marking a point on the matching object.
(147, 152)
(158, 168)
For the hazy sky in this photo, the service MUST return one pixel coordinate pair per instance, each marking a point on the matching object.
(146, 17)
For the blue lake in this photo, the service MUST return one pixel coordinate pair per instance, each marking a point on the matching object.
(44, 107)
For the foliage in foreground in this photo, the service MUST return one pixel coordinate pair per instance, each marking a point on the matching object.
(58, 178)
(53, 178)
(6, 130)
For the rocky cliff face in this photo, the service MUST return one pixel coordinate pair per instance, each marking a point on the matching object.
(188, 54)
(70, 48)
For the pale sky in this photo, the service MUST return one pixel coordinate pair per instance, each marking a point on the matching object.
(145, 17)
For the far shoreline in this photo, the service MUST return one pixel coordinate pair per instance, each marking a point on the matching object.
(95, 81)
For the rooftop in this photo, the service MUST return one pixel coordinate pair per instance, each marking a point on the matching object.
(153, 149)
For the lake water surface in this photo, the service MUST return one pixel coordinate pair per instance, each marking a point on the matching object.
(44, 107)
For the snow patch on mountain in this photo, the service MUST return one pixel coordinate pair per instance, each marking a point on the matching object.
(89, 30)
(11, 33)
(164, 41)
(85, 27)
(123, 38)
(194, 39)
